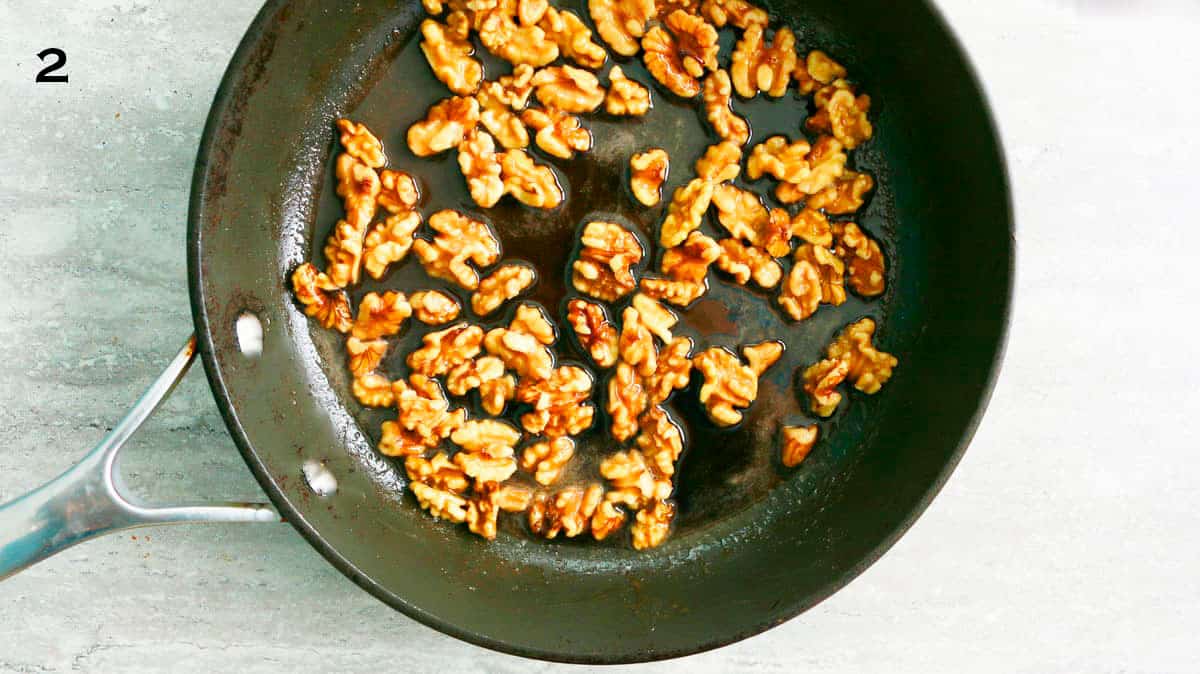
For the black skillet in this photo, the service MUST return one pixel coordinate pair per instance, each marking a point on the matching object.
(754, 544)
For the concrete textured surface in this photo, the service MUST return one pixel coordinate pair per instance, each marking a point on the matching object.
(1066, 541)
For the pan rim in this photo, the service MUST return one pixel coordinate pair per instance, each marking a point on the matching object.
(232, 77)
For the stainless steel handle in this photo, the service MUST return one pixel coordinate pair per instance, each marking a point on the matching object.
(86, 501)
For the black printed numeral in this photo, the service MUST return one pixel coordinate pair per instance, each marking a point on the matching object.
(55, 59)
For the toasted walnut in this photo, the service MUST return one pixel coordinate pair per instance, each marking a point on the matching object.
(820, 384)
(388, 242)
(827, 163)
(718, 98)
(798, 441)
(595, 332)
(373, 390)
(558, 133)
(361, 144)
(665, 62)
(607, 519)
(720, 163)
(516, 87)
(863, 258)
(381, 315)
(568, 89)
(441, 504)
(660, 440)
(697, 40)
(658, 319)
(365, 355)
(785, 161)
(689, 262)
(485, 466)
(621, 22)
(745, 262)
(604, 268)
(397, 441)
(494, 394)
(424, 409)
(443, 350)
(870, 368)
(634, 480)
(757, 67)
(672, 372)
(653, 525)
(728, 384)
(530, 183)
(315, 291)
(498, 118)
(647, 173)
(433, 7)
(520, 352)
(518, 44)
(486, 435)
(760, 357)
(503, 284)
(679, 293)
(636, 343)
(816, 70)
(546, 459)
(458, 240)
(811, 226)
(743, 215)
(843, 115)
(358, 186)
(434, 307)
(444, 126)
(480, 165)
(488, 500)
(343, 251)
(627, 399)
(448, 50)
(529, 319)
(471, 374)
(688, 205)
(740, 13)
(569, 511)
(530, 12)
(438, 472)
(625, 97)
(816, 277)
(398, 192)
(573, 37)
(559, 402)
(845, 196)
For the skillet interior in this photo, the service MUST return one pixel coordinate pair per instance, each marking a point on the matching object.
(763, 543)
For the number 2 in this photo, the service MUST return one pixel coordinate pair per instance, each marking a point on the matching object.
(58, 59)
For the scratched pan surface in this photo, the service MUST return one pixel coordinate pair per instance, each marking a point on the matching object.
(754, 544)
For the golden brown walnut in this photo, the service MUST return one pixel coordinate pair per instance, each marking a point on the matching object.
(365, 354)
(826, 163)
(518, 44)
(595, 332)
(443, 505)
(361, 144)
(503, 284)
(546, 459)
(686, 211)
(718, 98)
(321, 301)
(530, 12)
(798, 441)
(820, 384)
(652, 525)
(516, 87)
(672, 372)
(627, 399)
(658, 319)
(559, 402)
(388, 242)
(398, 192)
(634, 480)
(458, 240)
(530, 319)
(845, 196)
(358, 186)
(842, 114)
(438, 472)
(626, 97)
(558, 133)
(520, 352)
(647, 172)
(604, 268)
(569, 511)
(397, 441)
(743, 215)
(445, 349)
(530, 183)
(343, 252)
(661, 441)
(498, 118)
(739, 13)
(448, 49)
(471, 374)
(381, 315)
(373, 390)
(485, 435)
(434, 307)
(568, 88)
(488, 500)
(757, 67)
(444, 126)
(573, 37)
(863, 258)
(607, 519)
(689, 262)
(480, 165)
(496, 464)
(760, 357)
(679, 293)
(817, 276)
(728, 385)
(869, 368)
(665, 62)
(636, 343)
(746, 262)
(720, 163)
(621, 22)
(811, 226)
(433, 7)
(697, 41)
(816, 70)
(424, 410)
(787, 162)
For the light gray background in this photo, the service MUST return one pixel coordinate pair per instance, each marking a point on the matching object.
(1066, 541)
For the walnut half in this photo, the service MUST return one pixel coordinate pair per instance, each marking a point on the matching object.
(647, 172)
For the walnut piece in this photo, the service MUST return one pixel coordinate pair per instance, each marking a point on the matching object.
(398, 192)
(720, 163)
(697, 41)
(811, 226)
(817, 276)
(845, 196)
(653, 525)
(760, 357)
(438, 472)
(530, 183)
(344, 251)
(636, 343)
(757, 67)
(798, 441)
(863, 258)
(479, 164)
(739, 13)
(546, 459)
(660, 440)
(665, 61)
(503, 284)
(559, 402)
(358, 186)
(523, 345)
(687, 208)
(842, 114)
(381, 315)
(568, 88)
(826, 163)
(424, 410)
(361, 144)
(443, 505)
(820, 384)
(816, 70)
(621, 22)
(689, 262)
(728, 384)
(448, 50)
(488, 500)
(672, 372)
(604, 268)
(870, 368)
(496, 464)
(558, 133)
(787, 162)
(743, 215)
(569, 511)
(607, 519)
(373, 390)
(596, 333)
(573, 37)
(746, 262)
(498, 117)
(627, 399)
(486, 435)
(658, 319)
(718, 98)
(679, 293)
(397, 441)
(458, 240)
(434, 307)
(487, 374)
(365, 355)
(518, 44)
(445, 349)
(321, 299)
(626, 97)
(647, 172)
(444, 126)
(516, 87)
(634, 479)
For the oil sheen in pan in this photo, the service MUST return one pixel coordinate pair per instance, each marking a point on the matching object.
(722, 471)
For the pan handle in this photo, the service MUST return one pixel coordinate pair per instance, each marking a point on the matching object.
(86, 501)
